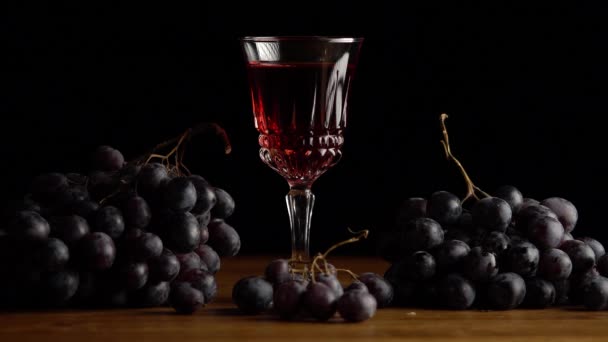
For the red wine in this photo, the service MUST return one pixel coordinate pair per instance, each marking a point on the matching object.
(300, 111)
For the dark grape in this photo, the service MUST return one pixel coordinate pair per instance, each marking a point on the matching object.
(109, 220)
(52, 255)
(511, 195)
(580, 253)
(459, 234)
(566, 211)
(164, 267)
(153, 294)
(209, 257)
(88, 287)
(554, 265)
(102, 184)
(422, 234)
(562, 288)
(465, 221)
(506, 291)
(480, 265)
(320, 301)
(602, 265)
(492, 214)
(183, 234)
(546, 232)
(456, 292)
(357, 306)
(137, 213)
(539, 293)
(150, 178)
(253, 295)
(288, 296)
(180, 194)
(204, 219)
(30, 226)
(45, 187)
(450, 255)
(204, 234)
(204, 282)
(530, 213)
(223, 238)
(496, 242)
(332, 282)
(59, 287)
(205, 195)
(357, 286)
(107, 158)
(444, 207)
(185, 299)
(595, 296)
(596, 246)
(224, 207)
(97, 251)
(521, 258)
(85, 209)
(147, 246)
(579, 282)
(378, 287)
(411, 209)
(419, 266)
(187, 262)
(70, 229)
(134, 275)
(278, 271)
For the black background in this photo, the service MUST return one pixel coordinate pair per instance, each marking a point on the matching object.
(524, 88)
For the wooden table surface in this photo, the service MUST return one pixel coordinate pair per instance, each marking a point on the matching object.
(220, 321)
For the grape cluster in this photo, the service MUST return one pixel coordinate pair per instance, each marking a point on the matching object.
(128, 234)
(503, 252)
(296, 295)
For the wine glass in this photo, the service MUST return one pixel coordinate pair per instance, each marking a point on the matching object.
(299, 91)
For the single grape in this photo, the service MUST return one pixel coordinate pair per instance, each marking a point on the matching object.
(320, 301)
(224, 206)
(109, 220)
(288, 296)
(528, 214)
(595, 296)
(580, 253)
(444, 207)
(137, 212)
(97, 251)
(223, 238)
(164, 267)
(596, 246)
(205, 195)
(153, 294)
(456, 292)
(147, 246)
(332, 282)
(253, 295)
(506, 291)
(187, 262)
(521, 258)
(180, 194)
(540, 293)
(566, 211)
(52, 255)
(378, 287)
(70, 229)
(512, 195)
(422, 234)
(357, 306)
(107, 158)
(492, 214)
(546, 232)
(85, 209)
(150, 178)
(278, 271)
(59, 287)
(411, 209)
(450, 255)
(185, 299)
(602, 265)
(30, 226)
(465, 221)
(182, 232)
(358, 286)
(554, 265)
(418, 266)
(480, 265)
(45, 187)
(134, 275)
(209, 257)
(496, 242)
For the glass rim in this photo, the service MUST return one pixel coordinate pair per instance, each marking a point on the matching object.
(329, 39)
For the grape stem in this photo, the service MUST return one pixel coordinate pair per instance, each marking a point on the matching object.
(471, 187)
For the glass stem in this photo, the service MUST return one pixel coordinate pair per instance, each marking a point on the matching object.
(300, 202)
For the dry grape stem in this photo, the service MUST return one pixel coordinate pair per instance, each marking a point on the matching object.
(471, 187)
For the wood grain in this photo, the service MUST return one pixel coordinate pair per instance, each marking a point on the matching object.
(220, 321)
